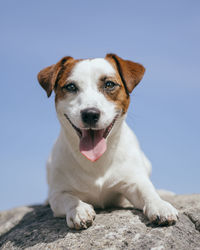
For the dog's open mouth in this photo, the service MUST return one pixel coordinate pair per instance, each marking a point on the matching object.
(92, 141)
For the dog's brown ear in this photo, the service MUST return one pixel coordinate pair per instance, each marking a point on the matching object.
(47, 77)
(130, 72)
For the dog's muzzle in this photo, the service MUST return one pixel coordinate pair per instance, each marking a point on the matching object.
(92, 140)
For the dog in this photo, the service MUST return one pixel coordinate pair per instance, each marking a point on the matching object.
(96, 161)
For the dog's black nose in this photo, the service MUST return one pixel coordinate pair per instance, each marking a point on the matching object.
(90, 116)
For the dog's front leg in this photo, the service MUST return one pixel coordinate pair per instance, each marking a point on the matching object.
(79, 215)
(142, 194)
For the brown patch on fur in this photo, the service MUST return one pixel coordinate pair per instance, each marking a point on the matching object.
(54, 77)
(62, 79)
(118, 95)
(128, 75)
(131, 73)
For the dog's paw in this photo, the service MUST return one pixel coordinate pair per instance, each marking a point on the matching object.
(80, 217)
(161, 212)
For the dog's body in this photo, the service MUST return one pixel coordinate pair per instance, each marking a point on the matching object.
(92, 98)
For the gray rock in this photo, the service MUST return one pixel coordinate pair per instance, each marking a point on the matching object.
(34, 227)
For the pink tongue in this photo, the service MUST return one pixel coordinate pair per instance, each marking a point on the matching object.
(92, 144)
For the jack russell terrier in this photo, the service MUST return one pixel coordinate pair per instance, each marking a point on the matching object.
(96, 161)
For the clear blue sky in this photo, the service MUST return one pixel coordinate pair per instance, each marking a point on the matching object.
(165, 107)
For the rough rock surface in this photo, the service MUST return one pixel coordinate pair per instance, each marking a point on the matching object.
(34, 227)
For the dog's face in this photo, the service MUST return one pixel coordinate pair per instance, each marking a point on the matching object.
(91, 95)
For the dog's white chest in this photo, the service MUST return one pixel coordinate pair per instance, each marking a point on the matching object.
(98, 192)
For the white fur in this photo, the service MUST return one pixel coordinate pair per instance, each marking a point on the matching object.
(75, 183)
(85, 74)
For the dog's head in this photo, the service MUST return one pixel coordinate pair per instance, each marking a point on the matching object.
(91, 95)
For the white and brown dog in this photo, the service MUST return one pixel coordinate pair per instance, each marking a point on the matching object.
(96, 160)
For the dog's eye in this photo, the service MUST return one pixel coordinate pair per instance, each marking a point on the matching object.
(70, 87)
(109, 85)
